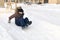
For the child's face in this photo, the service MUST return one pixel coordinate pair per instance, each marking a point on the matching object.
(20, 12)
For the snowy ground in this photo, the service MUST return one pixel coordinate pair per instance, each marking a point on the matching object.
(45, 26)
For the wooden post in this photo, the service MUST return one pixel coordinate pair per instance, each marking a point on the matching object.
(42, 1)
(8, 3)
(38, 0)
(29, 0)
(23, 0)
(18, 1)
(1, 3)
(58, 1)
(33, 1)
(53, 1)
(15, 3)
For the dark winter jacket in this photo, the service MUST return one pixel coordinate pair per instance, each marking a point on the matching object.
(17, 14)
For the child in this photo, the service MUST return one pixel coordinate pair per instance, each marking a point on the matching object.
(19, 20)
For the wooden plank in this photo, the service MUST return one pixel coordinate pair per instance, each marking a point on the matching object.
(1, 3)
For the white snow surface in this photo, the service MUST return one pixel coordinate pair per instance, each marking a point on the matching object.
(45, 23)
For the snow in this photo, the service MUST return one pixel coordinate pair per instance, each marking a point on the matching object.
(4, 35)
(45, 26)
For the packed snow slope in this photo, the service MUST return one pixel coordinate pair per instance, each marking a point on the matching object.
(45, 26)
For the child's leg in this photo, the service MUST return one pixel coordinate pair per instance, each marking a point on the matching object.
(22, 23)
(17, 22)
(27, 21)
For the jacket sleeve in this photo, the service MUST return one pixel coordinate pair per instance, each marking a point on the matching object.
(12, 16)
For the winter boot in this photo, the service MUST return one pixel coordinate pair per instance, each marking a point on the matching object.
(30, 22)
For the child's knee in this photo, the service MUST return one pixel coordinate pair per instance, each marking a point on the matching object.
(26, 19)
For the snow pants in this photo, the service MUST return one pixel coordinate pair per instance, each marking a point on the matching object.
(21, 22)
